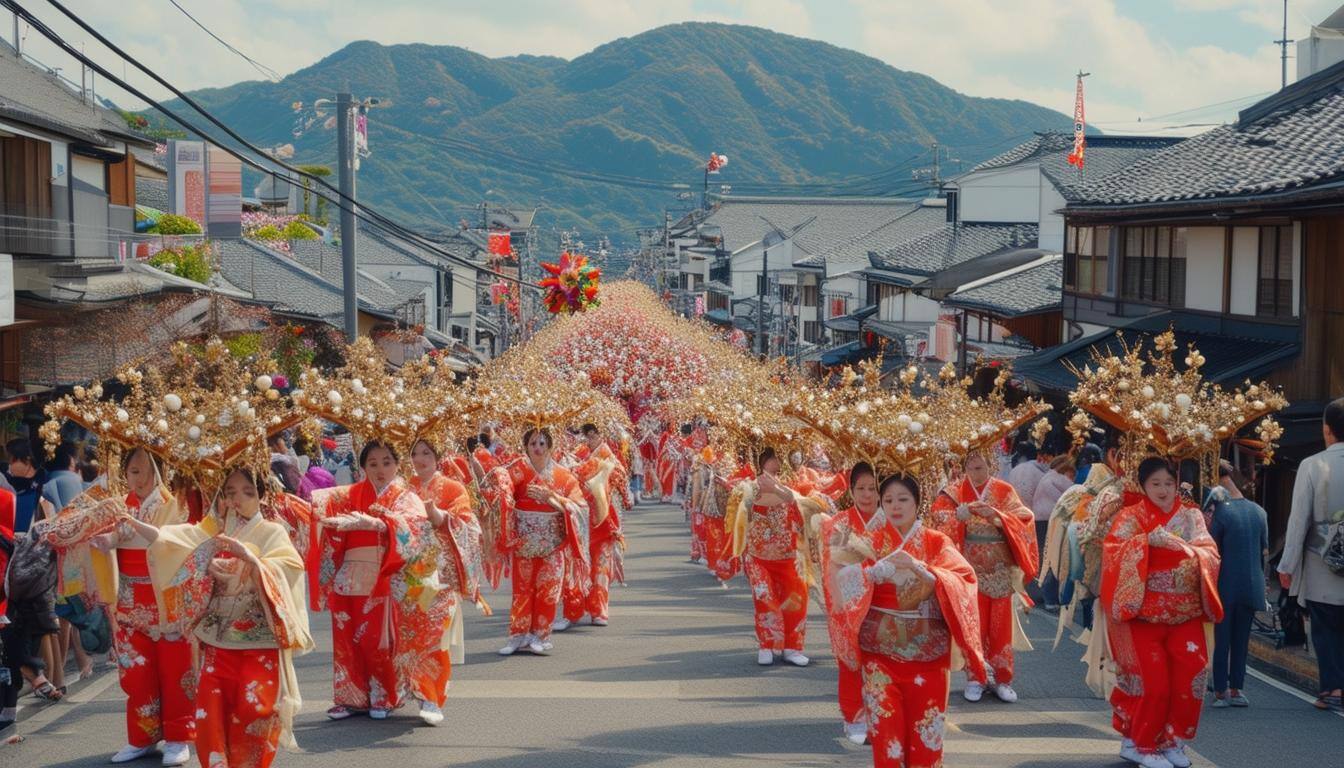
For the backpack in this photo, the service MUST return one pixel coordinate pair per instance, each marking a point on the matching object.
(32, 571)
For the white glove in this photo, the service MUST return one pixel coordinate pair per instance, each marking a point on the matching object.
(881, 572)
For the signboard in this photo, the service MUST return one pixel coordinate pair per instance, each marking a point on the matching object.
(186, 179)
(224, 202)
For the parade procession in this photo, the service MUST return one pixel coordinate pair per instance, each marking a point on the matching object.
(874, 505)
(635, 384)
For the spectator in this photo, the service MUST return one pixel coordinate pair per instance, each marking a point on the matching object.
(284, 465)
(63, 485)
(315, 476)
(1240, 527)
(1027, 473)
(1315, 519)
(1048, 491)
(1087, 456)
(25, 479)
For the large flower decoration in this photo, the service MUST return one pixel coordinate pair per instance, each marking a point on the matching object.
(572, 285)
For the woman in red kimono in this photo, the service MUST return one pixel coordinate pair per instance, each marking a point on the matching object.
(601, 476)
(848, 522)
(153, 658)
(774, 566)
(902, 607)
(548, 522)
(997, 534)
(236, 580)
(1159, 585)
(449, 509)
(377, 571)
(669, 454)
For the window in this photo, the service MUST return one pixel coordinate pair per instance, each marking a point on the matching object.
(1086, 254)
(788, 293)
(809, 295)
(838, 306)
(1153, 268)
(812, 331)
(1274, 288)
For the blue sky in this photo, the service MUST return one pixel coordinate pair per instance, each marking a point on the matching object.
(1148, 58)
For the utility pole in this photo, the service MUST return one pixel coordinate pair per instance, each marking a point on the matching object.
(761, 348)
(1283, 49)
(345, 149)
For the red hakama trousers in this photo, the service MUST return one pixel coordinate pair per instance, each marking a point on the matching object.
(1173, 661)
(157, 675)
(996, 636)
(365, 672)
(537, 584)
(779, 597)
(907, 703)
(238, 692)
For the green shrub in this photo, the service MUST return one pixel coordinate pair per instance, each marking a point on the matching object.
(189, 261)
(296, 230)
(244, 346)
(173, 224)
(268, 232)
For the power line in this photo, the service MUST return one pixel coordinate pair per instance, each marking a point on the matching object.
(364, 213)
(262, 68)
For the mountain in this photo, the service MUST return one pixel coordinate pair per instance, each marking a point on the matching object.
(454, 126)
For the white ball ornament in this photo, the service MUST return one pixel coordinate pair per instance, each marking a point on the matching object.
(194, 433)
(263, 382)
(173, 402)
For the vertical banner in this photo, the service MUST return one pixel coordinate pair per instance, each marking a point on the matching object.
(224, 204)
(186, 179)
(699, 305)
(1079, 126)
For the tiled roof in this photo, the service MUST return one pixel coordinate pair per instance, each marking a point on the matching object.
(906, 224)
(152, 193)
(837, 219)
(1289, 141)
(34, 96)
(285, 283)
(1233, 354)
(325, 259)
(950, 244)
(1036, 287)
(1105, 155)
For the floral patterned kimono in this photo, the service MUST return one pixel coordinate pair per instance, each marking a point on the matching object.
(381, 588)
(903, 637)
(249, 626)
(460, 576)
(153, 657)
(294, 515)
(770, 538)
(1158, 600)
(1002, 549)
(539, 540)
(601, 477)
(836, 531)
(723, 561)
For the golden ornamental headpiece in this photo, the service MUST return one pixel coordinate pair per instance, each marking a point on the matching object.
(378, 405)
(1169, 410)
(203, 413)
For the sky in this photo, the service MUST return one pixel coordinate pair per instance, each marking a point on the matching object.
(1177, 62)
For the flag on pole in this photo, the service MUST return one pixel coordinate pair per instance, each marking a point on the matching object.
(716, 161)
(1079, 124)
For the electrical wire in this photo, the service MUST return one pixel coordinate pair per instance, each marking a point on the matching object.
(363, 212)
(262, 68)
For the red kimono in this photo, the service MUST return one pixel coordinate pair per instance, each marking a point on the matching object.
(901, 634)
(849, 688)
(381, 588)
(459, 540)
(669, 455)
(600, 475)
(539, 539)
(778, 586)
(1157, 599)
(723, 562)
(1002, 549)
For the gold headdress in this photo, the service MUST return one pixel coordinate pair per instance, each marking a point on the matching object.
(747, 404)
(1173, 413)
(203, 414)
(519, 391)
(377, 405)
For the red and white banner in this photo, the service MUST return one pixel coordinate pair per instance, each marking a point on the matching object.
(500, 244)
(716, 161)
(1079, 124)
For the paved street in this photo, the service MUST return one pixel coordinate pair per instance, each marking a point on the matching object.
(673, 682)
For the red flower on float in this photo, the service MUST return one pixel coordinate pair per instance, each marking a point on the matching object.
(572, 284)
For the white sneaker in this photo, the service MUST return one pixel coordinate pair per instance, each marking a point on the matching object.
(857, 732)
(765, 657)
(176, 753)
(379, 714)
(128, 753)
(431, 713)
(1129, 752)
(515, 643)
(1148, 760)
(598, 621)
(1176, 756)
(561, 624)
(974, 691)
(1005, 693)
(538, 647)
(796, 658)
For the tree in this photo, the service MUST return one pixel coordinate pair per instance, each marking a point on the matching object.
(320, 210)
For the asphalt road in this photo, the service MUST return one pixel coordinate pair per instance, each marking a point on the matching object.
(674, 682)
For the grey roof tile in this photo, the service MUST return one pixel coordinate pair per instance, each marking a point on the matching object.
(837, 219)
(1105, 155)
(1290, 141)
(907, 224)
(950, 244)
(35, 96)
(1035, 288)
(152, 193)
